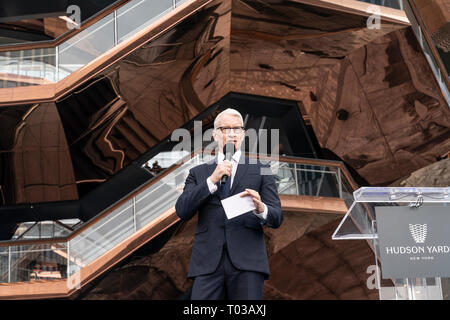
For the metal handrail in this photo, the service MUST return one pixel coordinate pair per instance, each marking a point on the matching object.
(104, 213)
(61, 38)
(72, 249)
(57, 66)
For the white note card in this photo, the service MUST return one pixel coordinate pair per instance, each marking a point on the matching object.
(236, 205)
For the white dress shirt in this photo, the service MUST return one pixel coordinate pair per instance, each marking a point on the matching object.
(234, 162)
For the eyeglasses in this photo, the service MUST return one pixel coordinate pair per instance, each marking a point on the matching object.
(227, 130)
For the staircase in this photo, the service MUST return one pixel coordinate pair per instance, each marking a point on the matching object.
(135, 220)
(98, 123)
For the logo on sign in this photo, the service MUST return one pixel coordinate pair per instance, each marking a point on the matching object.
(418, 232)
(414, 242)
(417, 203)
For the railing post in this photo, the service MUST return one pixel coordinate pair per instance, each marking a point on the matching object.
(174, 3)
(9, 264)
(68, 259)
(340, 182)
(57, 64)
(296, 178)
(115, 28)
(20, 61)
(320, 184)
(134, 214)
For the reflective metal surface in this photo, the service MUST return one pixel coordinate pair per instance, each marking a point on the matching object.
(34, 156)
(327, 61)
(285, 49)
(140, 100)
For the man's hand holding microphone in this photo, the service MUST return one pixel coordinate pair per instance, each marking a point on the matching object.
(223, 169)
(223, 172)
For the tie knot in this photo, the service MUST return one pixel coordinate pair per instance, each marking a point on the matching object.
(224, 189)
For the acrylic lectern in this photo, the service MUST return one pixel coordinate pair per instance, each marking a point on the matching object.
(408, 230)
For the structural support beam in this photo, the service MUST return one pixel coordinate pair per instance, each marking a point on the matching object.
(294, 203)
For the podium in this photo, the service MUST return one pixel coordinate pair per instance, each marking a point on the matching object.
(408, 230)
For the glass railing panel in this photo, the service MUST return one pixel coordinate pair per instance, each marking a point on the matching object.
(308, 180)
(33, 232)
(162, 195)
(86, 46)
(128, 218)
(4, 264)
(165, 159)
(54, 64)
(35, 63)
(22, 230)
(396, 4)
(40, 230)
(59, 231)
(149, 206)
(35, 262)
(102, 236)
(137, 14)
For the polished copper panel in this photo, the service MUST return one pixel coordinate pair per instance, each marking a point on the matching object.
(325, 59)
(133, 105)
(332, 63)
(170, 80)
(35, 159)
(114, 118)
(284, 49)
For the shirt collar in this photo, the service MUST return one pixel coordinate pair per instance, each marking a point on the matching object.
(236, 156)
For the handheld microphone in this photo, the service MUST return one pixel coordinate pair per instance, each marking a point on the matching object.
(228, 151)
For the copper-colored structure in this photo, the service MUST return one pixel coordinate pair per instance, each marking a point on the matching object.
(328, 61)
(368, 95)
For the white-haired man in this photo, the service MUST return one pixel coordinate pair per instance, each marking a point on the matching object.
(229, 258)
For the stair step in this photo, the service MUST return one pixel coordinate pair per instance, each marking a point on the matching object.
(145, 136)
(131, 137)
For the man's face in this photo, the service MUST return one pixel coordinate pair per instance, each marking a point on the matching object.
(229, 121)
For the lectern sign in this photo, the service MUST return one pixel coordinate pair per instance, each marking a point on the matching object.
(414, 241)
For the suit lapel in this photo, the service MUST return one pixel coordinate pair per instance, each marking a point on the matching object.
(240, 173)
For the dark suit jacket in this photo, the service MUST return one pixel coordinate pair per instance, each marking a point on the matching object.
(243, 235)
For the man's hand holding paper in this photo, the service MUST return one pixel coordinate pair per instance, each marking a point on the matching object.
(242, 202)
(238, 204)
(259, 206)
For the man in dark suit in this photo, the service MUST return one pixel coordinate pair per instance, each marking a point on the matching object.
(229, 258)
